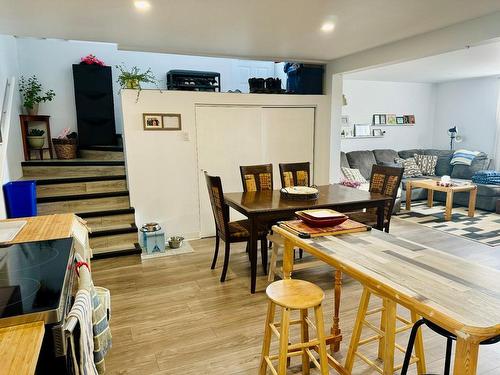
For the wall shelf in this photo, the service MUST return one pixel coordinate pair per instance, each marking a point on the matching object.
(393, 126)
(363, 137)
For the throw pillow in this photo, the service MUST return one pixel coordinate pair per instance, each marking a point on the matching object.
(353, 175)
(410, 166)
(464, 157)
(427, 164)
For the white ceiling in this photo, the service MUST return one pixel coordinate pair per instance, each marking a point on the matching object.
(241, 28)
(473, 62)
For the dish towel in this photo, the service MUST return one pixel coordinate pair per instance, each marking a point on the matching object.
(101, 313)
(82, 312)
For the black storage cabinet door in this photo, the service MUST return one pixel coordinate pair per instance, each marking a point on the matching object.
(95, 111)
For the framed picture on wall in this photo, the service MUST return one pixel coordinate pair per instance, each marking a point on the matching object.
(345, 120)
(171, 121)
(362, 130)
(383, 119)
(152, 121)
(376, 119)
(400, 120)
(391, 119)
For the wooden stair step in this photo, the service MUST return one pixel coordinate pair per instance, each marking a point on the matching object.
(112, 230)
(109, 201)
(107, 153)
(116, 250)
(102, 219)
(80, 188)
(113, 239)
(78, 197)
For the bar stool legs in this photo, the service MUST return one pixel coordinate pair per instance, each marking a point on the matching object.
(385, 334)
(292, 295)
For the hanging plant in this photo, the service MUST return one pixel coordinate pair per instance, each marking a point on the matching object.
(132, 79)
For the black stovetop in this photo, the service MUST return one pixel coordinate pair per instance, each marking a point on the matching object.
(32, 276)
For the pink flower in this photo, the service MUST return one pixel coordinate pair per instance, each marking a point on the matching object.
(92, 60)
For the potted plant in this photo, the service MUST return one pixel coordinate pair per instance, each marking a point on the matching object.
(36, 138)
(91, 60)
(65, 144)
(31, 91)
(132, 79)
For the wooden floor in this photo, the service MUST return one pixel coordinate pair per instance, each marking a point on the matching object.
(172, 316)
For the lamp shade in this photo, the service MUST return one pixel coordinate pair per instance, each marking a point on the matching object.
(453, 130)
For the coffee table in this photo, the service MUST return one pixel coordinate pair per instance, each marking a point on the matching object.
(431, 186)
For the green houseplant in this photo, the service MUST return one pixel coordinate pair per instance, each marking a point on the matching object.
(132, 79)
(31, 91)
(36, 138)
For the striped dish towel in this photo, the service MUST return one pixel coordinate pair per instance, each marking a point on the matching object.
(464, 157)
(100, 324)
(82, 311)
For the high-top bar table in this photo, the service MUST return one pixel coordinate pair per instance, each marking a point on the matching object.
(458, 295)
(264, 207)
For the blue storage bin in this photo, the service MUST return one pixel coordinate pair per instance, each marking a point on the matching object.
(20, 198)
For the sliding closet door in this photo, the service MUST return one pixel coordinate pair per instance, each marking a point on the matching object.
(288, 137)
(227, 137)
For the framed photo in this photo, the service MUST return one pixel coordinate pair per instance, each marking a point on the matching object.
(152, 121)
(345, 121)
(383, 119)
(400, 120)
(171, 121)
(391, 119)
(411, 119)
(347, 131)
(376, 119)
(362, 130)
(378, 132)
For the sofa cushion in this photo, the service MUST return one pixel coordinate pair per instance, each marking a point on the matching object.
(406, 154)
(466, 172)
(362, 160)
(343, 160)
(411, 169)
(443, 166)
(427, 164)
(385, 156)
(353, 174)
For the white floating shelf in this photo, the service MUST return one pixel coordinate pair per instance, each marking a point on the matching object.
(363, 137)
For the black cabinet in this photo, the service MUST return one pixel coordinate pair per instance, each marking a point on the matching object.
(95, 112)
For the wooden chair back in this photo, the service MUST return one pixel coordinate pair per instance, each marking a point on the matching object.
(386, 180)
(257, 177)
(219, 208)
(295, 174)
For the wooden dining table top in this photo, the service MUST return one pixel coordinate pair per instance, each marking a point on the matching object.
(329, 195)
(458, 295)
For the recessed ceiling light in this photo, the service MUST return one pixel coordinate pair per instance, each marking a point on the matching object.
(327, 27)
(142, 4)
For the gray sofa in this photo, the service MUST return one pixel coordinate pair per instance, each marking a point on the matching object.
(487, 195)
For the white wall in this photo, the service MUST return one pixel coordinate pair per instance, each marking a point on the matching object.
(366, 98)
(470, 104)
(162, 166)
(11, 167)
(51, 60)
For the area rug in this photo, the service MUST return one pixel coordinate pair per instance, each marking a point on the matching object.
(484, 227)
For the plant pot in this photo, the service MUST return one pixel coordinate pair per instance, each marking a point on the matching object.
(36, 141)
(132, 84)
(33, 111)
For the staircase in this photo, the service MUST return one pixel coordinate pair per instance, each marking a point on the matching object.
(93, 187)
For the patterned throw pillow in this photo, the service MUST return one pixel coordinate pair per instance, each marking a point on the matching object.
(427, 164)
(464, 157)
(410, 166)
(353, 175)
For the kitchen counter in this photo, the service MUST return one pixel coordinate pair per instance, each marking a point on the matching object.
(48, 227)
(19, 348)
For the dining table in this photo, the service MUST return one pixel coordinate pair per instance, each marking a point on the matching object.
(457, 295)
(263, 208)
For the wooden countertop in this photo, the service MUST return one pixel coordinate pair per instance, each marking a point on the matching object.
(19, 348)
(47, 227)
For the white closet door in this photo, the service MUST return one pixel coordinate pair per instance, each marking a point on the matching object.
(227, 137)
(288, 137)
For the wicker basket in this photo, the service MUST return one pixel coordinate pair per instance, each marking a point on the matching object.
(65, 148)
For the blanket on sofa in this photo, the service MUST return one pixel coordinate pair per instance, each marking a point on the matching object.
(486, 177)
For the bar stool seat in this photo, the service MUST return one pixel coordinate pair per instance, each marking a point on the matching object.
(292, 294)
(295, 294)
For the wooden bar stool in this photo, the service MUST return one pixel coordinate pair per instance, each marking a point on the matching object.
(290, 295)
(385, 335)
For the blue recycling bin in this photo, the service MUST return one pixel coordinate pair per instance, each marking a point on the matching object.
(20, 198)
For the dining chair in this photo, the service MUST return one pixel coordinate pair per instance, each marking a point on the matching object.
(295, 174)
(257, 177)
(229, 231)
(384, 180)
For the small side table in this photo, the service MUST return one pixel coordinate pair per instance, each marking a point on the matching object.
(25, 120)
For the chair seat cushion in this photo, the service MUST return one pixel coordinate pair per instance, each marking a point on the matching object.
(241, 229)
